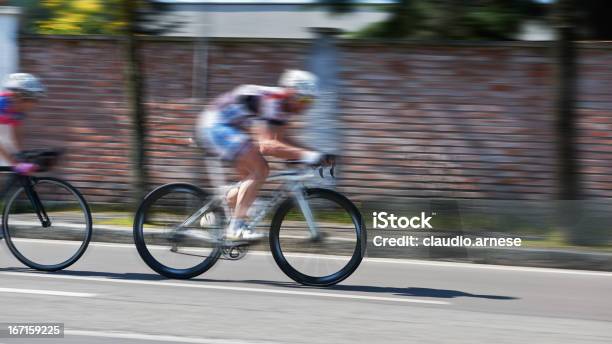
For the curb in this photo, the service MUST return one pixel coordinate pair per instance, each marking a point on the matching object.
(545, 258)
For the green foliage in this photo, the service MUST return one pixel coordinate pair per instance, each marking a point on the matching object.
(448, 19)
(481, 19)
(92, 17)
(593, 17)
(32, 12)
(70, 17)
(81, 17)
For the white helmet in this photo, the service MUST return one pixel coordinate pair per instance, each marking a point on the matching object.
(25, 84)
(305, 83)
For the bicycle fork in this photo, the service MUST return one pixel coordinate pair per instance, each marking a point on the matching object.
(32, 195)
(298, 194)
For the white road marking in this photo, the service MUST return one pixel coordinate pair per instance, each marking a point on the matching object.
(45, 292)
(157, 338)
(370, 260)
(230, 288)
(67, 242)
(64, 224)
(489, 266)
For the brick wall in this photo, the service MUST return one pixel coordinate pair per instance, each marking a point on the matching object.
(418, 120)
(443, 121)
(595, 120)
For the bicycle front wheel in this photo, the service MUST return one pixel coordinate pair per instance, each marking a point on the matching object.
(61, 241)
(321, 245)
(171, 235)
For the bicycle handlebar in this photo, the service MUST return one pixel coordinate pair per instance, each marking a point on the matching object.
(44, 158)
(328, 161)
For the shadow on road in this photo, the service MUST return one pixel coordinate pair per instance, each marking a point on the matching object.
(111, 275)
(421, 292)
(408, 291)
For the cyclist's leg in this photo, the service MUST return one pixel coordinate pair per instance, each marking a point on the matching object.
(232, 196)
(234, 145)
(253, 169)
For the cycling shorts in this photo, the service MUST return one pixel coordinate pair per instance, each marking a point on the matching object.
(228, 141)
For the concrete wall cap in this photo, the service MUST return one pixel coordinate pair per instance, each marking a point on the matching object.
(10, 10)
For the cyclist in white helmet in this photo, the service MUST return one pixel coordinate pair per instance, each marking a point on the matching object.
(20, 95)
(225, 127)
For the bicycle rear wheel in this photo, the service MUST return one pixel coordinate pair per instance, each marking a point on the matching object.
(324, 260)
(53, 246)
(168, 247)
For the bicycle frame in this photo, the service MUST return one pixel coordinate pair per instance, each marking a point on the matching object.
(27, 182)
(292, 186)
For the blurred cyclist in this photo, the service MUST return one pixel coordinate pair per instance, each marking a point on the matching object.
(21, 94)
(225, 126)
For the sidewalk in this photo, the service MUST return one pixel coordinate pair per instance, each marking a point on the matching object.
(117, 228)
(550, 257)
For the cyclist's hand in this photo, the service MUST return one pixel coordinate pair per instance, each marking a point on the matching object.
(325, 160)
(328, 160)
(25, 168)
(320, 159)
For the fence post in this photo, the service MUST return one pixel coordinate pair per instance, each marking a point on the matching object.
(323, 129)
(570, 210)
(569, 188)
(9, 26)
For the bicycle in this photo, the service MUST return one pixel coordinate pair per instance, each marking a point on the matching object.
(179, 227)
(44, 208)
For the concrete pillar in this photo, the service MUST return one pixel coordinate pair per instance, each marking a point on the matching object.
(324, 127)
(9, 26)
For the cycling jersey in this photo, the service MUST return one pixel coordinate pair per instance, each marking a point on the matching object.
(222, 124)
(9, 118)
(245, 102)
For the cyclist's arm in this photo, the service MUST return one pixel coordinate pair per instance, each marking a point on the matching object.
(273, 141)
(272, 135)
(4, 154)
(18, 137)
(279, 133)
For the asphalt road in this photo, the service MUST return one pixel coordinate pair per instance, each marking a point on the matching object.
(110, 296)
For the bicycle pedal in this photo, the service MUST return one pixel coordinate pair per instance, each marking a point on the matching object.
(175, 238)
(235, 252)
